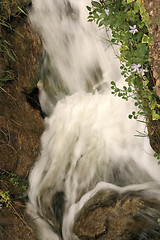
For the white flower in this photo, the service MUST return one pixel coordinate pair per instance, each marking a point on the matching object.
(133, 29)
(136, 67)
(107, 11)
(142, 71)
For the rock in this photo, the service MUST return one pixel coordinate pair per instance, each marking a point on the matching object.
(111, 215)
(153, 8)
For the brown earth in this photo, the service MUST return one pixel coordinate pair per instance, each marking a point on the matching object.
(9, 8)
(21, 125)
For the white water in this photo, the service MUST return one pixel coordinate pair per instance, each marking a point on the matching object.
(88, 138)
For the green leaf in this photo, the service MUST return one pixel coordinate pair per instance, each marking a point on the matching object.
(129, 1)
(95, 15)
(120, 94)
(96, 4)
(155, 116)
(113, 83)
(127, 37)
(136, 7)
(129, 89)
(21, 10)
(90, 17)
(146, 39)
(145, 82)
(90, 20)
(89, 8)
(153, 105)
(139, 36)
(100, 23)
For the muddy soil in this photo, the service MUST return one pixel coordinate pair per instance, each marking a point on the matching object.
(21, 125)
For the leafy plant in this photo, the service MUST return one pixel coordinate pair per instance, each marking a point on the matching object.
(13, 179)
(130, 26)
(4, 198)
(7, 191)
(8, 180)
(157, 155)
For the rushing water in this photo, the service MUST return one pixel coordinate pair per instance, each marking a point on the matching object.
(89, 143)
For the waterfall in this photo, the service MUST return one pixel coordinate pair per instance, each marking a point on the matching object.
(89, 144)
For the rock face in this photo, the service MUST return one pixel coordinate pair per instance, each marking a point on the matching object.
(153, 9)
(111, 215)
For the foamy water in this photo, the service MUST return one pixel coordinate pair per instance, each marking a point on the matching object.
(89, 143)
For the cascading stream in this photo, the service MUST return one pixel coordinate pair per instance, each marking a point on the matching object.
(89, 144)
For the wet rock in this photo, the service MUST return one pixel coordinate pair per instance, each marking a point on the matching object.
(111, 215)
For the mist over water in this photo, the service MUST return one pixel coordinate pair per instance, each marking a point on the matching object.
(89, 144)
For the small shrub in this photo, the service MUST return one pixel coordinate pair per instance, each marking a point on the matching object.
(130, 25)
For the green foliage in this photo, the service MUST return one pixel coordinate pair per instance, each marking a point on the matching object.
(130, 26)
(13, 179)
(4, 198)
(12, 184)
(157, 155)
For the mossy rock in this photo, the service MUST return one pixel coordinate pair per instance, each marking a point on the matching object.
(124, 216)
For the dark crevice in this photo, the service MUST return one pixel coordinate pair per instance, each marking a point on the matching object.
(33, 100)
